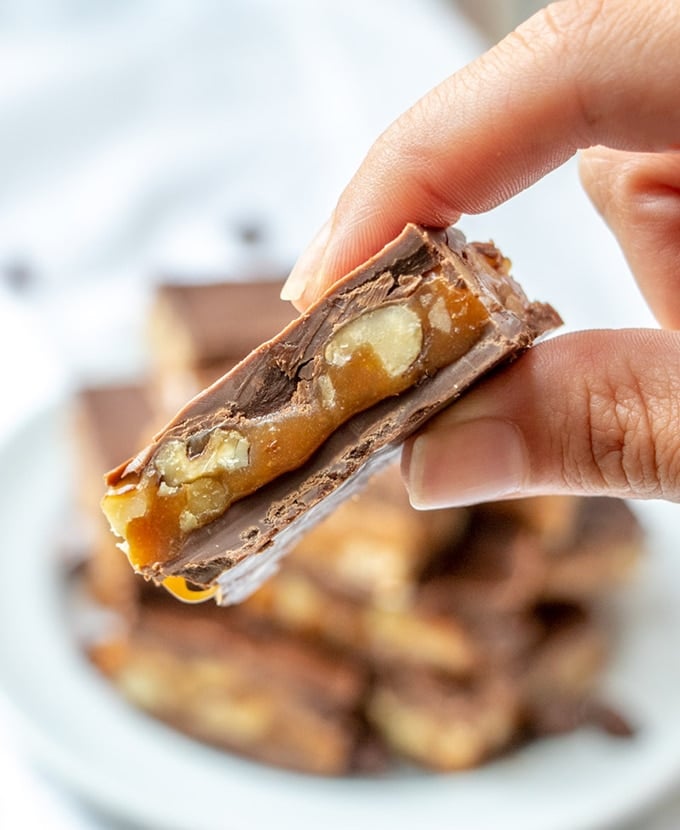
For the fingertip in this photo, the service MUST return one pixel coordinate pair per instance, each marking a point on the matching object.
(305, 272)
(412, 456)
(465, 463)
(293, 287)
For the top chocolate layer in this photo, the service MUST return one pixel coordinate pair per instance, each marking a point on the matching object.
(458, 313)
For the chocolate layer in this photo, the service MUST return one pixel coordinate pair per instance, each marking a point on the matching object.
(241, 547)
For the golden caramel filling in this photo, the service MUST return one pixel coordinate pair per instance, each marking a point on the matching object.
(181, 589)
(381, 353)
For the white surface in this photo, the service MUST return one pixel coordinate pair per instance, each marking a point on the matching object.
(118, 758)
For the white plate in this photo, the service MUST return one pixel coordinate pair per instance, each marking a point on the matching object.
(135, 767)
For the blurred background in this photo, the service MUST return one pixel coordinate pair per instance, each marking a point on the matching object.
(148, 140)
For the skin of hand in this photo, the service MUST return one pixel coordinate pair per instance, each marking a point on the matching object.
(596, 412)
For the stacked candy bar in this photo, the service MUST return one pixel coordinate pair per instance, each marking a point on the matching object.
(443, 637)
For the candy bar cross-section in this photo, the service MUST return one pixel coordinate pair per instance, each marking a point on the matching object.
(232, 482)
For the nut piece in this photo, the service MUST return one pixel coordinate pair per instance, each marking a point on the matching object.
(123, 507)
(394, 333)
(439, 316)
(226, 450)
(327, 391)
(206, 499)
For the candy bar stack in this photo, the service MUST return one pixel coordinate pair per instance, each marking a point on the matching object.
(439, 638)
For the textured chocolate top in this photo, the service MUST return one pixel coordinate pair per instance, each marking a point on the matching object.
(240, 548)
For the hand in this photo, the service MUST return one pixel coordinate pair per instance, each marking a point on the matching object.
(594, 412)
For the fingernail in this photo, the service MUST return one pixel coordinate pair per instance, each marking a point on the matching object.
(467, 463)
(307, 266)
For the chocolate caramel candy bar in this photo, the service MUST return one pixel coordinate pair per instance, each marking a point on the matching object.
(269, 449)
(442, 723)
(254, 691)
(608, 545)
(559, 679)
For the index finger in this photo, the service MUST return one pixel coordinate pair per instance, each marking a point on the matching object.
(578, 73)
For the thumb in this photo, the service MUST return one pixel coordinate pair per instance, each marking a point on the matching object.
(592, 413)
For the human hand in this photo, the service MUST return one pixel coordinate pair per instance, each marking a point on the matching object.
(596, 412)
